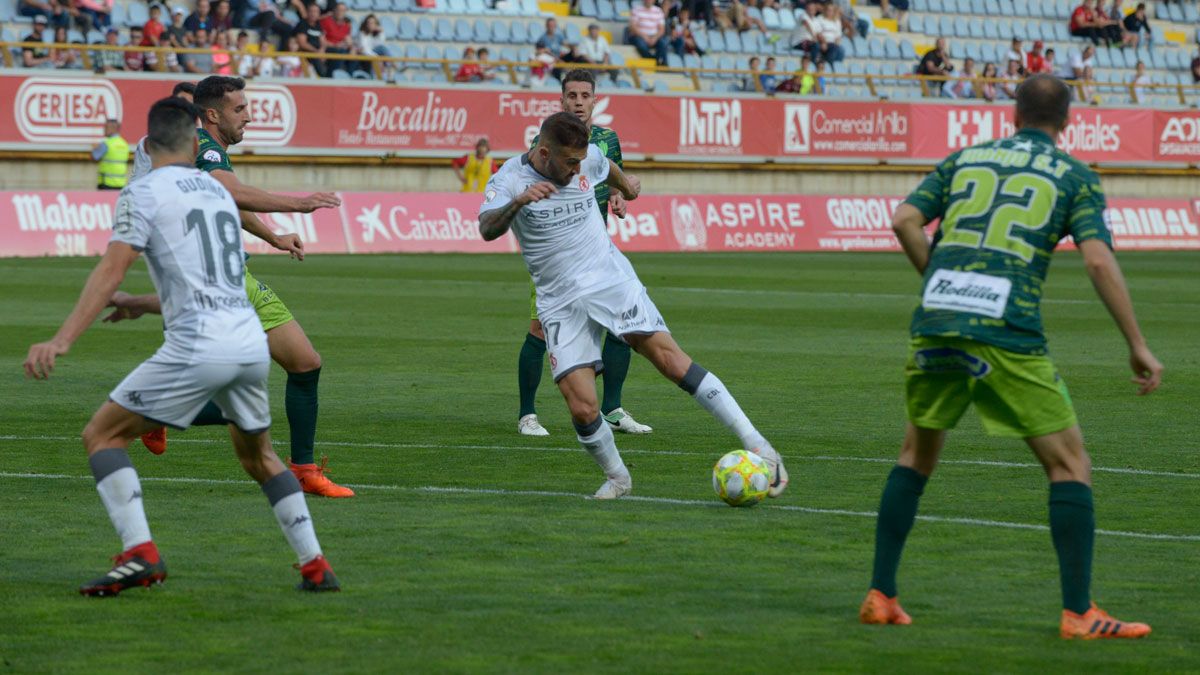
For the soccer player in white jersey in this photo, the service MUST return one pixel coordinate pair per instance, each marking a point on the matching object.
(585, 286)
(214, 348)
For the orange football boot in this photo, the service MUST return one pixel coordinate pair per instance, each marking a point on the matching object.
(1096, 624)
(156, 441)
(313, 481)
(880, 609)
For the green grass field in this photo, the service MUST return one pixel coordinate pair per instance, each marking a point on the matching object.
(471, 548)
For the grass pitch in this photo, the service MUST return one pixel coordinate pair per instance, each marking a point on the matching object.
(471, 549)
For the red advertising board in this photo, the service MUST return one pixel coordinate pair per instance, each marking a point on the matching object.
(80, 223)
(67, 112)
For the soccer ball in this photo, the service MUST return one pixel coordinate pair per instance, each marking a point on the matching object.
(741, 478)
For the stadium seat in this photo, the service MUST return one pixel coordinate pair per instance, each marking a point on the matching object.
(452, 52)
(406, 29)
(945, 26)
(1005, 28)
(935, 7)
(975, 28)
(1191, 14)
(1176, 60)
(443, 30)
(709, 62)
(388, 25)
(891, 49)
(974, 51)
(992, 53)
(518, 34)
(962, 28)
(1020, 8)
(673, 60)
(530, 8)
(508, 54)
(588, 8)
(425, 31)
(701, 37)
(991, 30)
(727, 63)
(339, 74)
(770, 18)
(137, 15)
(573, 35)
(875, 47)
(361, 75)
(462, 30)
(606, 12)
(733, 41)
(992, 8)
(907, 52)
(787, 21)
(432, 52)
(691, 61)
(916, 23)
(750, 42)
(848, 48)
(1062, 33)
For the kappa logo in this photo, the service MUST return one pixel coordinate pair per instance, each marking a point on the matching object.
(137, 494)
(968, 127)
(797, 128)
(134, 397)
(300, 520)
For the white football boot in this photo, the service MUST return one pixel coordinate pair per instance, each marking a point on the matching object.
(614, 488)
(779, 475)
(622, 421)
(529, 426)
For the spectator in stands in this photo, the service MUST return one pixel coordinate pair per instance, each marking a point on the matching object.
(648, 31)
(683, 42)
(100, 11)
(1035, 61)
(894, 9)
(542, 62)
(1080, 62)
(1012, 78)
(152, 30)
(738, 18)
(177, 32)
(310, 39)
(283, 66)
(1136, 24)
(221, 20)
(1085, 23)
(793, 84)
(199, 62)
(36, 57)
(964, 86)
(135, 61)
(552, 40)
(1110, 23)
(987, 89)
(1196, 69)
(1085, 91)
(804, 36)
(702, 10)
(829, 35)
(337, 30)
(769, 80)
(1015, 52)
(468, 70)
(935, 61)
(109, 59)
(57, 12)
(1051, 66)
(594, 48)
(486, 70)
(201, 19)
(371, 40)
(852, 23)
(1138, 84)
(245, 55)
(751, 81)
(222, 59)
(61, 57)
(474, 169)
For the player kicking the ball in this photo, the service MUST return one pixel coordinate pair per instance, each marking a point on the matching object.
(977, 336)
(214, 349)
(585, 286)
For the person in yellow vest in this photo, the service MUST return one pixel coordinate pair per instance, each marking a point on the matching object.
(112, 156)
(474, 169)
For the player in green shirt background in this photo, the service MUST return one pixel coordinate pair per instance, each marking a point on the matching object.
(977, 336)
(224, 114)
(579, 98)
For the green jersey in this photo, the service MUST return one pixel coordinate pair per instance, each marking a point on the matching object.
(1004, 206)
(610, 145)
(211, 156)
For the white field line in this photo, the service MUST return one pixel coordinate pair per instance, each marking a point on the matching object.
(973, 522)
(631, 451)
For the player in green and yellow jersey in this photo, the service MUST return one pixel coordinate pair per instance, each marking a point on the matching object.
(224, 115)
(977, 336)
(579, 98)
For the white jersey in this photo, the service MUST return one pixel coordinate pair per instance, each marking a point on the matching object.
(141, 161)
(563, 239)
(187, 226)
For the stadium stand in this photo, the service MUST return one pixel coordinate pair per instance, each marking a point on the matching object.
(430, 42)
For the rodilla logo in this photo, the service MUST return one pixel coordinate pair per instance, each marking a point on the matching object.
(688, 225)
(272, 115)
(65, 109)
(797, 134)
(712, 123)
(968, 127)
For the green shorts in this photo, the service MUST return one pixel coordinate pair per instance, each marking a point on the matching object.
(1019, 395)
(533, 315)
(272, 313)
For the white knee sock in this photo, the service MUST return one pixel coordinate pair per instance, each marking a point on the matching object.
(711, 394)
(287, 501)
(121, 492)
(597, 439)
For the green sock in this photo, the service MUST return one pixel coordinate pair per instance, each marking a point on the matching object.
(529, 372)
(1073, 528)
(300, 402)
(616, 355)
(897, 511)
(210, 415)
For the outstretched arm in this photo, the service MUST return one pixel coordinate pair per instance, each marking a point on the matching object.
(104, 279)
(1110, 285)
(494, 223)
(627, 184)
(250, 198)
(909, 225)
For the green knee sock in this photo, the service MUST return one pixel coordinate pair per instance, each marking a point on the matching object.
(210, 415)
(1073, 528)
(616, 356)
(897, 511)
(529, 372)
(300, 402)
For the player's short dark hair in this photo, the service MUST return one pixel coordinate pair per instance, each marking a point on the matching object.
(1043, 100)
(579, 75)
(564, 130)
(171, 125)
(211, 90)
(184, 88)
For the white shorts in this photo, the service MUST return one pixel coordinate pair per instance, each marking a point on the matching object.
(174, 393)
(575, 331)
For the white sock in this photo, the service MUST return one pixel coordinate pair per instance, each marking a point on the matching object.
(121, 493)
(291, 511)
(712, 395)
(601, 445)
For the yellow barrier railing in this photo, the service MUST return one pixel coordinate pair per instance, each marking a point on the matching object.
(930, 85)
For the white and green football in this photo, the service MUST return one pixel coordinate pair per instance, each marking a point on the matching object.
(741, 478)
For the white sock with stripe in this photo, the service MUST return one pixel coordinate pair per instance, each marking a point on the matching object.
(121, 493)
(291, 511)
(711, 394)
(597, 439)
